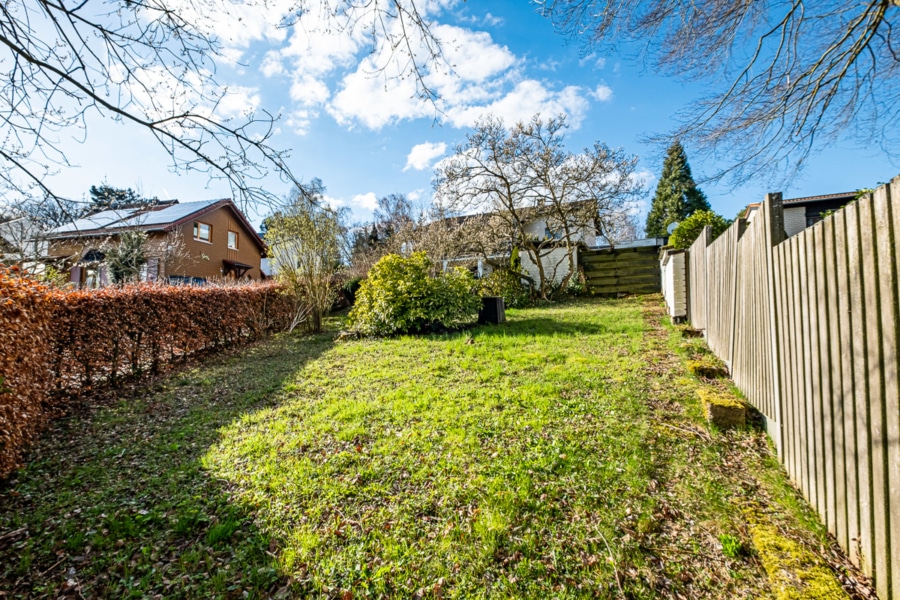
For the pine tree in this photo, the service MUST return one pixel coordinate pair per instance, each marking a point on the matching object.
(677, 196)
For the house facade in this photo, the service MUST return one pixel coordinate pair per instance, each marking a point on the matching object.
(554, 255)
(190, 242)
(22, 243)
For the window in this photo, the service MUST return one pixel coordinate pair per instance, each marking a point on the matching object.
(232, 240)
(202, 231)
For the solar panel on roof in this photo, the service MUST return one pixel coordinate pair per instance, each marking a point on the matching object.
(97, 221)
(167, 215)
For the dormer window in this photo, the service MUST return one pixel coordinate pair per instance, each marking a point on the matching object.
(202, 231)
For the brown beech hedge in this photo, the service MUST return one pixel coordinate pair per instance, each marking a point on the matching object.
(54, 343)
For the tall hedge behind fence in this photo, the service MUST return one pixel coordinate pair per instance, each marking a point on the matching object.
(55, 342)
(815, 328)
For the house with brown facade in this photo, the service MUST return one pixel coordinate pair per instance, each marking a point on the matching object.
(189, 242)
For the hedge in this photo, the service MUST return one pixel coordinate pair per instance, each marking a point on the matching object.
(56, 342)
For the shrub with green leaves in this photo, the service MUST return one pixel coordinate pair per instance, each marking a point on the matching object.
(400, 296)
(507, 284)
(690, 229)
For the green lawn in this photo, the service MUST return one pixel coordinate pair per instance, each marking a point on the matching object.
(560, 455)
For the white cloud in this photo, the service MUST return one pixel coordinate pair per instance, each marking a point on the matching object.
(375, 89)
(415, 194)
(333, 202)
(528, 98)
(271, 64)
(597, 62)
(300, 120)
(239, 101)
(366, 201)
(421, 155)
(603, 93)
(309, 91)
(486, 78)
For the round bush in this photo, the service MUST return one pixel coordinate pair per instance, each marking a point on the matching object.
(689, 229)
(400, 296)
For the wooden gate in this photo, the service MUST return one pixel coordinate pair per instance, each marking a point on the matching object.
(622, 271)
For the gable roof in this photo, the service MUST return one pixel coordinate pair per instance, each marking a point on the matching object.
(154, 218)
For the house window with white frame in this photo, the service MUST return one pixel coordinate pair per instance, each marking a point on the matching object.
(232, 240)
(202, 231)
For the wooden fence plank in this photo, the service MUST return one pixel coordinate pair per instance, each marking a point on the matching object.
(823, 274)
(810, 434)
(842, 388)
(861, 385)
(835, 402)
(893, 396)
(813, 258)
(797, 380)
(781, 319)
(871, 276)
(846, 392)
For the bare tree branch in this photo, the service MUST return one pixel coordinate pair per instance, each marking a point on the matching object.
(816, 71)
(151, 64)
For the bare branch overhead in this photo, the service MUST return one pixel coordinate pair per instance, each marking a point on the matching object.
(791, 75)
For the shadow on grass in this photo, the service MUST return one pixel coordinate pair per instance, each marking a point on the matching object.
(541, 326)
(116, 503)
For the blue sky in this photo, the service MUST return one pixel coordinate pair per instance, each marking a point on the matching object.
(367, 135)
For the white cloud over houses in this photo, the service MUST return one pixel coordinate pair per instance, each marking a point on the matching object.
(485, 78)
(422, 155)
(332, 70)
(367, 202)
(526, 99)
(330, 67)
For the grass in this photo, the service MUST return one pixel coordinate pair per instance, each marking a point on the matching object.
(560, 455)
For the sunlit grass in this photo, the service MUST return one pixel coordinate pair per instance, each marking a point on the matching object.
(559, 455)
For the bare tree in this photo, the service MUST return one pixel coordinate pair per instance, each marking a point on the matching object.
(797, 74)
(151, 64)
(394, 228)
(528, 191)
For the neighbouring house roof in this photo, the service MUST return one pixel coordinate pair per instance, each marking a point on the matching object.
(830, 199)
(161, 218)
(842, 197)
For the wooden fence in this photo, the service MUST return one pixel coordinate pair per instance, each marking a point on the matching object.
(809, 327)
(622, 271)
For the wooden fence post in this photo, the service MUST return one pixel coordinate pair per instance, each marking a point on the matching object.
(774, 215)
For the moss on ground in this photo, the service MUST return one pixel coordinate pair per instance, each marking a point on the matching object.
(706, 368)
(722, 408)
(794, 571)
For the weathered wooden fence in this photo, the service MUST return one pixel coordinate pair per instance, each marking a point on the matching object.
(622, 271)
(810, 328)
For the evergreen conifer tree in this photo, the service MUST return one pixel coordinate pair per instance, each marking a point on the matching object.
(677, 196)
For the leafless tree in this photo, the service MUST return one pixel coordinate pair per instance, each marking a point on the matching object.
(511, 181)
(151, 64)
(796, 74)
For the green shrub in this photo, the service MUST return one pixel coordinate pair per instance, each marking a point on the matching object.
(400, 296)
(507, 284)
(351, 287)
(690, 229)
